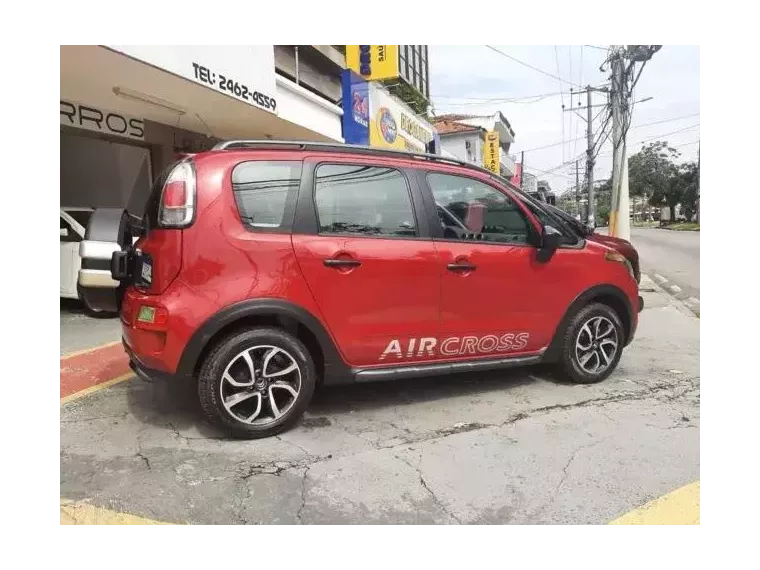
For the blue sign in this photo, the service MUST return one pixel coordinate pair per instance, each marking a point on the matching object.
(355, 108)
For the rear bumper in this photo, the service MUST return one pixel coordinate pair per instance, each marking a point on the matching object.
(143, 371)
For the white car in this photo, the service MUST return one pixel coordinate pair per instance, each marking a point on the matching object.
(73, 226)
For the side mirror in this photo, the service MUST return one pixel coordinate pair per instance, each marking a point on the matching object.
(64, 232)
(550, 241)
(589, 230)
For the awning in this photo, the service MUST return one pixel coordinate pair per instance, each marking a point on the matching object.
(98, 76)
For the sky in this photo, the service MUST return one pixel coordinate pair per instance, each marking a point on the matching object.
(464, 78)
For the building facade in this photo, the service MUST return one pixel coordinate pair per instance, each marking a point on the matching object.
(128, 111)
(463, 137)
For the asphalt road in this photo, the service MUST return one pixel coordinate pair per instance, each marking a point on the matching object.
(504, 447)
(671, 254)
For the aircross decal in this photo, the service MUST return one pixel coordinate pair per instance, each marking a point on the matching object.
(455, 346)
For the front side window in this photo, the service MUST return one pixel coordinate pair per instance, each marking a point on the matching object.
(263, 190)
(469, 210)
(549, 218)
(363, 200)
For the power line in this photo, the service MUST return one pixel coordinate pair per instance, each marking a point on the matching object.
(658, 137)
(556, 58)
(530, 66)
(633, 127)
(486, 99)
(596, 47)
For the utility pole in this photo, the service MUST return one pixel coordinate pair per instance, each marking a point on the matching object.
(577, 190)
(623, 60)
(619, 223)
(591, 210)
(590, 160)
(522, 170)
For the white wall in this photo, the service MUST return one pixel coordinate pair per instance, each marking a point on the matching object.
(455, 144)
(302, 107)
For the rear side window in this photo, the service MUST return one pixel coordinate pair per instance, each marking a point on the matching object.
(265, 192)
(363, 200)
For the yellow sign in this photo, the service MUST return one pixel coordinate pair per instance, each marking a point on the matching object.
(373, 62)
(391, 125)
(491, 152)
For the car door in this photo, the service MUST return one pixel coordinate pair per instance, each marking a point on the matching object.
(490, 300)
(71, 235)
(369, 260)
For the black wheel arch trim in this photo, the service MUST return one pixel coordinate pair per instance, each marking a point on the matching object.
(554, 350)
(334, 366)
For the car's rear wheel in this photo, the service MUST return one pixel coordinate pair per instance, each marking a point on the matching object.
(256, 383)
(593, 344)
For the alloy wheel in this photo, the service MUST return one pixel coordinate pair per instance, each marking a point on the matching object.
(260, 384)
(596, 345)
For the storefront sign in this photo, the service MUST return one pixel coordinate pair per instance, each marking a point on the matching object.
(245, 73)
(378, 119)
(491, 152)
(517, 176)
(102, 121)
(373, 62)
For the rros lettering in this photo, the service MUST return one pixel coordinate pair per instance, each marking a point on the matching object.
(107, 122)
(456, 346)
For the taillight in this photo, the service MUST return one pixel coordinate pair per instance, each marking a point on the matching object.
(177, 206)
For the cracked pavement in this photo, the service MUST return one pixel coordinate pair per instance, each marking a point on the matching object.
(512, 447)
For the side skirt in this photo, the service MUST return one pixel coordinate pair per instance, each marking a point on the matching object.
(421, 370)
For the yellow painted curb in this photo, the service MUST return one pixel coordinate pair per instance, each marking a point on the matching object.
(88, 350)
(83, 513)
(680, 507)
(96, 387)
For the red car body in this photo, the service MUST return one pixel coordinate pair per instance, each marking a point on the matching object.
(267, 267)
(401, 294)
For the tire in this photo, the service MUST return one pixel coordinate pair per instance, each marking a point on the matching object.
(575, 340)
(248, 412)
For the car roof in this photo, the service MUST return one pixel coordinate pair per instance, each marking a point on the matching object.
(354, 149)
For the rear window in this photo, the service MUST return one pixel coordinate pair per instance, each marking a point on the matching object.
(265, 192)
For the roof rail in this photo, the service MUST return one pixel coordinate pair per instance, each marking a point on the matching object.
(358, 149)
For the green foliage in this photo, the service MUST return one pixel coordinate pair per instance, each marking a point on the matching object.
(411, 97)
(653, 174)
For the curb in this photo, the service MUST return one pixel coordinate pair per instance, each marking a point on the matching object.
(692, 303)
(101, 366)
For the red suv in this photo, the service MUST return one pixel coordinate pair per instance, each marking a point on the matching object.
(265, 268)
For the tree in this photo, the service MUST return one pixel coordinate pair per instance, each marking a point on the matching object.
(653, 175)
(689, 174)
(603, 199)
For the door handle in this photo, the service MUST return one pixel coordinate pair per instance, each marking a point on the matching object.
(342, 262)
(463, 266)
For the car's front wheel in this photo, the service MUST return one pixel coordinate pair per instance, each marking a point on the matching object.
(593, 344)
(256, 383)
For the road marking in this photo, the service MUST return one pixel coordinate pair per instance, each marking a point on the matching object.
(88, 350)
(84, 513)
(675, 289)
(92, 368)
(693, 301)
(659, 278)
(91, 389)
(679, 507)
